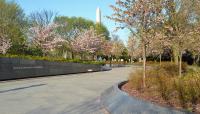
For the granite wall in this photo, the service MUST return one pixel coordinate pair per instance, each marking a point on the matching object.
(16, 68)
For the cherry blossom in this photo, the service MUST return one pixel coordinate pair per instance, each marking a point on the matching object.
(45, 37)
(117, 48)
(88, 42)
(140, 16)
(5, 44)
(107, 47)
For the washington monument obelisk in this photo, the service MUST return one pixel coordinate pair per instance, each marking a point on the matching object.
(98, 16)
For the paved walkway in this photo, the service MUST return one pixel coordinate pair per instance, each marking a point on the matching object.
(70, 94)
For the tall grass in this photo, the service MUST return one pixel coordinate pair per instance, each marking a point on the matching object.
(165, 81)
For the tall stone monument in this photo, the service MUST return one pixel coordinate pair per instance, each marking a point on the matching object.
(98, 16)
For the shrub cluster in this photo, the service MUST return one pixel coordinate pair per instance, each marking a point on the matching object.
(53, 59)
(25, 50)
(188, 89)
(164, 81)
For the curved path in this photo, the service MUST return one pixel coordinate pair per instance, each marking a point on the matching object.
(67, 94)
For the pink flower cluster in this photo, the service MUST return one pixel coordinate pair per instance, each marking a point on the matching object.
(107, 47)
(45, 37)
(5, 44)
(88, 42)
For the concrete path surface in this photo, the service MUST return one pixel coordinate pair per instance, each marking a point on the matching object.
(67, 94)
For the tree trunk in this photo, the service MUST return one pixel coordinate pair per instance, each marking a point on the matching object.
(180, 64)
(160, 58)
(93, 57)
(81, 56)
(175, 55)
(65, 54)
(171, 59)
(131, 59)
(197, 61)
(144, 66)
(72, 55)
(110, 60)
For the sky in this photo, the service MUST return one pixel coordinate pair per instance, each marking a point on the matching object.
(78, 8)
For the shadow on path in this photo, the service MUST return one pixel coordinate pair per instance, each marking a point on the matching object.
(21, 88)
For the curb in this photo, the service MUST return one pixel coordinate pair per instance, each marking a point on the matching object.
(116, 101)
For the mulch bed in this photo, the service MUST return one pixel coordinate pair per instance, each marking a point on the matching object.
(151, 96)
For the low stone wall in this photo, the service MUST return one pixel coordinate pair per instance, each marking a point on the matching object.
(16, 68)
(116, 101)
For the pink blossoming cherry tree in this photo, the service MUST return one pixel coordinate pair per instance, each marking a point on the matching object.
(45, 37)
(88, 42)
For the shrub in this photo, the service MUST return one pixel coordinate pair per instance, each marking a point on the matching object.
(151, 78)
(172, 69)
(135, 79)
(156, 76)
(17, 49)
(161, 80)
(164, 81)
(193, 85)
(181, 88)
(33, 51)
(25, 50)
(164, 84)
(184, 67)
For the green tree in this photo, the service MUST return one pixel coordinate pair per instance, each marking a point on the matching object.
(117, 47)
(71, 29)
(73, 25)
(101, 29)
(183, 17)
(125, 55)
(76, 25)
(12, 24)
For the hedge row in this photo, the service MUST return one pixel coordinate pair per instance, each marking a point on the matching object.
(53, 59)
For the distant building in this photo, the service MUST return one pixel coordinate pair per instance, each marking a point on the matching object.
(98, 16)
